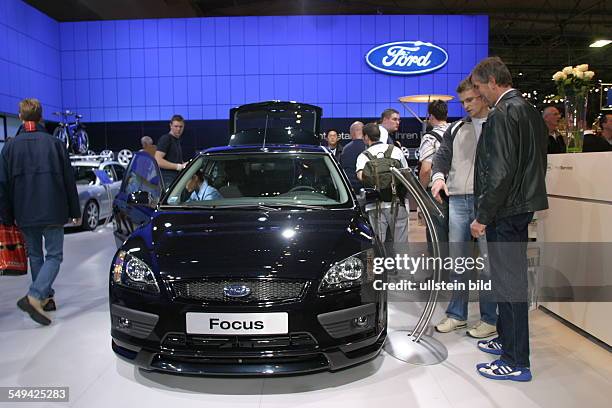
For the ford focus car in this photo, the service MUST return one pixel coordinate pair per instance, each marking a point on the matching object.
(257, 260)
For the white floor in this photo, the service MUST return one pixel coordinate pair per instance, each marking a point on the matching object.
(569, 370)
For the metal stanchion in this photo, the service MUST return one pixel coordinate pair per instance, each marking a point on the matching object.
(414, 346)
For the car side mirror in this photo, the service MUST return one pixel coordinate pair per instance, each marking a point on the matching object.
(367, 196)
(141, 198)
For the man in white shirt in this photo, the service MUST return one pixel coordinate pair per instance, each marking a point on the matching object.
(381, 220)
(389, 123)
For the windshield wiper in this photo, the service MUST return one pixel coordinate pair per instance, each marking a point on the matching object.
(246, 206)
(306, 206)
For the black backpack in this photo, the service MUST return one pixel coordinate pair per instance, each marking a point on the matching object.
(377, 175)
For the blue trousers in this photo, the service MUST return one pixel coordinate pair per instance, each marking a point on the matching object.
(44, 268)
(461, 213)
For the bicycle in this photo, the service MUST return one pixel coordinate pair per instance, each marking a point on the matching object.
(73, 135)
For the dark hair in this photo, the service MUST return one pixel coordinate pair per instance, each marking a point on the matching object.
(387, 113)
(332, 130)
(30, 109)
(177, 118)
(438, 109)
(604, 118)
(464, 85)
(372, 131)
(492, 67)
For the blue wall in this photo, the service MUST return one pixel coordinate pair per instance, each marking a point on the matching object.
(136, 70)
(150, 69)
(29, 57)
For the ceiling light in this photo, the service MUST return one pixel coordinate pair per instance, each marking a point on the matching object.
(600, 43)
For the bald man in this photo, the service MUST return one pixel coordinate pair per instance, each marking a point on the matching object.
(551, 117)
(348, 158)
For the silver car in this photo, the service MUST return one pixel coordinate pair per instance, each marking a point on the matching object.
(96, 193)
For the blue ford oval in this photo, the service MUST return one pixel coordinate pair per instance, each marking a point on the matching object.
(406, 58)
(257, 260)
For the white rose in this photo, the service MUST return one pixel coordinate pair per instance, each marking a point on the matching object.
(583, 67)
(567, 70)
(578, 74)
(559, 76)
(589, 75)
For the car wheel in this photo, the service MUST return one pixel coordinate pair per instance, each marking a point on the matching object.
(91, 216)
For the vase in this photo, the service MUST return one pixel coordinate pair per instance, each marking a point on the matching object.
(575, 121)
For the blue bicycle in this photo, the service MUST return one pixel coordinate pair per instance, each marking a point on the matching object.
(73, 135)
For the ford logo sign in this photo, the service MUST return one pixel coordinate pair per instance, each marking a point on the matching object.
(406, 58)
(236, 290)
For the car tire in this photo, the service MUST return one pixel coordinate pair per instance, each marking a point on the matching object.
(91, 216)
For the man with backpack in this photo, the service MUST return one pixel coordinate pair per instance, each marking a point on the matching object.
(453, 174)
(373, 170)
(430, 142)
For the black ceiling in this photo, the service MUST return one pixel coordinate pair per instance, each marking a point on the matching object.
(535, 38)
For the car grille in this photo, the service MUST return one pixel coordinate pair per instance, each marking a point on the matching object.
(288, 342)
(269, 290)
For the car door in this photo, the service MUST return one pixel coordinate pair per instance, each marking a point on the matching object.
(119, 175)
(142, 175)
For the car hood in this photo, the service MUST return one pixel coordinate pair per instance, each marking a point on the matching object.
(230, 243)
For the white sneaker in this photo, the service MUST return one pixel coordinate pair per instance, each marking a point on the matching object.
(482, 330)
(448, 324)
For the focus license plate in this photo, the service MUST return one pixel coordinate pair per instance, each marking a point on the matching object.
(237, 323)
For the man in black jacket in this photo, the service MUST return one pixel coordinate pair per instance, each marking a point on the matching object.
(38, 192)
(509, 186)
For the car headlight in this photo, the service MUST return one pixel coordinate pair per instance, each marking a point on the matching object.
(133, 273)
(350, 272)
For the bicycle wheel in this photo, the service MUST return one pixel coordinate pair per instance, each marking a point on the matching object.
(81, 141)
(60, 133)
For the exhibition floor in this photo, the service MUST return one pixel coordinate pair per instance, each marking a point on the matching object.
(569, 370)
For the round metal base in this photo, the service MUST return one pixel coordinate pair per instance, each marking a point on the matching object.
(428, 351)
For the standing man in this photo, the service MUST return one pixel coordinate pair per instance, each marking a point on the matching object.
(169, 154)
(551, 117)
(389, 123)
(147, 145)
(333, 144)
(453, 173)
(509, 188)
(599, 143)
(384, 218)
(38, 191)
(438, 114)
(348, 158)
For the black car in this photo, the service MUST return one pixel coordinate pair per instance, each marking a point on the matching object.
(257, 260)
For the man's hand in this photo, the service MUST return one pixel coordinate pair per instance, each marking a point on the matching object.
(438, 186)
(477, 229)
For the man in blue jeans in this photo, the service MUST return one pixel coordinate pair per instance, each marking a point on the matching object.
(453, 174)
(38, 193)
(509, 188)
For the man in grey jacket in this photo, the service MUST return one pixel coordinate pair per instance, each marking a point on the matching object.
(453, 173)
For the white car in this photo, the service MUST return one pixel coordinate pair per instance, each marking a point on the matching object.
(96, 196)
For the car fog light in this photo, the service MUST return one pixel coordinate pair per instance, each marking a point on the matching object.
(361, 321)
(124, 323)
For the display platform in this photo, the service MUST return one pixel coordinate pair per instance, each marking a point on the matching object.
(75, 352)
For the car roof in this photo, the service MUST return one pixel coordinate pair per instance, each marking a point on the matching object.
(267, 149)
(93, 163)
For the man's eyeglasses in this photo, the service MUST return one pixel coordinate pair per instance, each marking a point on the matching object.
(469, 100)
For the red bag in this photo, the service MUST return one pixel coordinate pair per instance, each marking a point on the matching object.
(13, 259)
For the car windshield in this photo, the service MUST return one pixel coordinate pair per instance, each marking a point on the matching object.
(303, 180)
(84, 175)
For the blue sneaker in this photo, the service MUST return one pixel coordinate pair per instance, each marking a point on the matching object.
(499, 370)
(492, 346)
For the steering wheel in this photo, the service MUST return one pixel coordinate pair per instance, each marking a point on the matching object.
(302, 188)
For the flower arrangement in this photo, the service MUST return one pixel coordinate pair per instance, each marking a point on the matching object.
(572, 81)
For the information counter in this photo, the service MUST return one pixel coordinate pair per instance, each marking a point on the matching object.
(579, 190)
